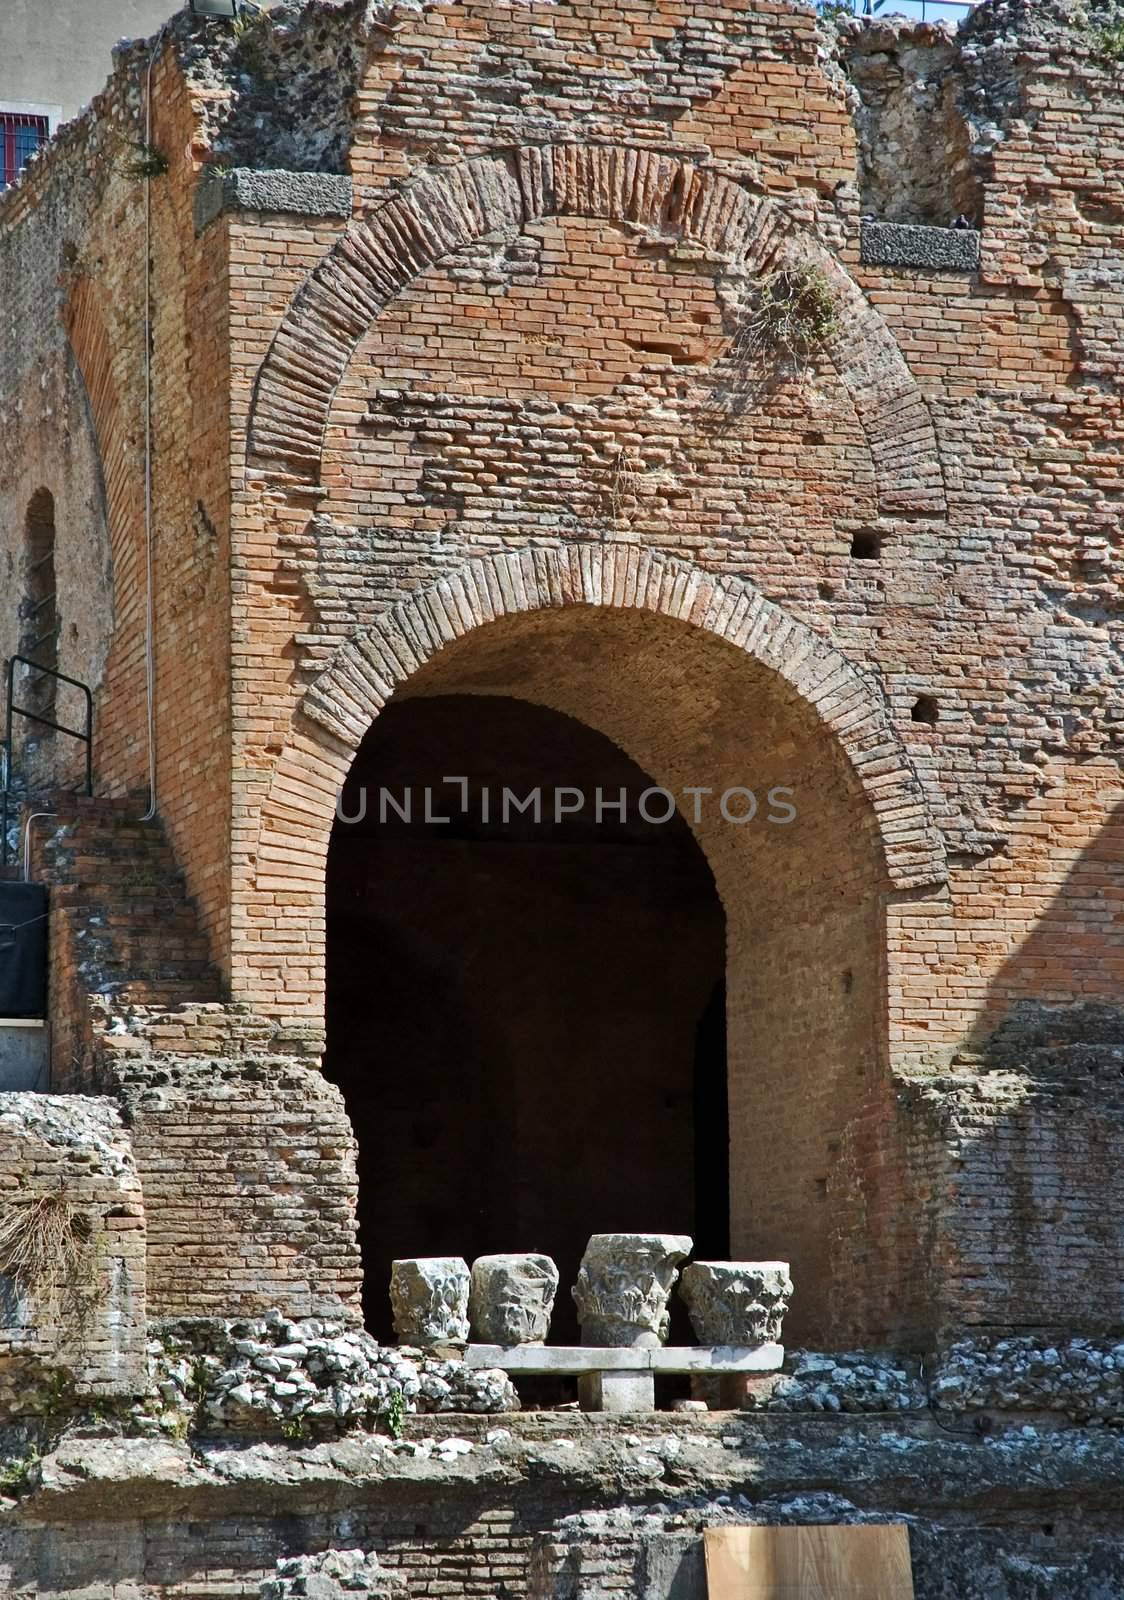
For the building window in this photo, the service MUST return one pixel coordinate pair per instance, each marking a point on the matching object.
(21, 134)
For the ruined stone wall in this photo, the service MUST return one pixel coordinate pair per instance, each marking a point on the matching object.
(46, 412)
(504, 371)
(249, 1179)
(72, 1294)
(556, 359)
(551, 1508)
(641, 430)
(494, 400)
(73, 243)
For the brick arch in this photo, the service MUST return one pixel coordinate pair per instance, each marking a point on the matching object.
(453, 206)
(92, 348)
(339, 708)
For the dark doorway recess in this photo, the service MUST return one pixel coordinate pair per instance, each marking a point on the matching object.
(526, 1019)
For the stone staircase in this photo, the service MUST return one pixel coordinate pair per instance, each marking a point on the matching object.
(121, 920)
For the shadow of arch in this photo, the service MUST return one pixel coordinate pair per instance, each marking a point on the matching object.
(1074, 952)
(454, 206)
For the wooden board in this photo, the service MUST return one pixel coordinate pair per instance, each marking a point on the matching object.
(818, 1563)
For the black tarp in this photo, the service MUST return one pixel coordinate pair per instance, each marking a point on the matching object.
(23, 950)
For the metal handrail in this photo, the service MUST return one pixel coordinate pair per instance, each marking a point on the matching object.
(12, 710)
(871, 8)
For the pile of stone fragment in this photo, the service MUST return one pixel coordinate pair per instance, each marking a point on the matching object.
(334, 1573)
(272, 1374)
(1080, 1378)
(1083, 1378)
(311, 1377)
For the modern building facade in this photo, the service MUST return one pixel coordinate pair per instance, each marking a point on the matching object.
(55, 55)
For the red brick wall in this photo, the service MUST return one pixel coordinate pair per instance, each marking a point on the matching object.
(509, 388)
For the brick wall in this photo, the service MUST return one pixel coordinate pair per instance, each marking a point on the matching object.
(506, 402)
(72, 237)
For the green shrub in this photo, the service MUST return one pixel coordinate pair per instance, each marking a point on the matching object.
(1109, 40)
(147, 161)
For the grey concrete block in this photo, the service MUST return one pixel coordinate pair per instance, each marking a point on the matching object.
(23, 1055)
(673, 1567)
(301, 194)
(617, 1391)
(900, 244)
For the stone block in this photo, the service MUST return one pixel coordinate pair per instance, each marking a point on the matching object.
(623, 1287)
(899, 244)
(429, 1298)
(511, 1298)
(577, 1359)
(301, 194)
(617, 1391)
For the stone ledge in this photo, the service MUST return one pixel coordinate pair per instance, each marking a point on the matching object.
(899, 244)
(531, 1358)
(302, 194)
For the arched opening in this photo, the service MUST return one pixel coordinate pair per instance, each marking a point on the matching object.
(521, 998)
(39, 634)
(438, 956)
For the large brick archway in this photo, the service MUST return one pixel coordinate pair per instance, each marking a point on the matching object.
(658, 195)
(699, 680)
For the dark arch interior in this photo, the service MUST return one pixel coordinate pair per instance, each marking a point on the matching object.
(527, 1019)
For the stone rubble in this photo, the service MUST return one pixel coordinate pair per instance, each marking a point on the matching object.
(854, 1381)
(334, 1573)
(248, 1377)
(1081, 1378)
(273, 1375)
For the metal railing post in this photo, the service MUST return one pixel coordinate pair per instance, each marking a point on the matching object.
(11, 710)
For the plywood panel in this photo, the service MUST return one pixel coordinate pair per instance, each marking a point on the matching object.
(820, 1563)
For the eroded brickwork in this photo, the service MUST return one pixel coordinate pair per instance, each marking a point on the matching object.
(73, 1297)
(503, 430)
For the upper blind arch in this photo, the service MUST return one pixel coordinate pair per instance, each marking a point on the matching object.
(450, 207)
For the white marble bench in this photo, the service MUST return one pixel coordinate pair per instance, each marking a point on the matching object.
(615, 1379)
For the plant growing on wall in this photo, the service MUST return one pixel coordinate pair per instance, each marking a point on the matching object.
(47, 1251)
(252, 32)
(19, 1473)
(780, 322)
(792, 316)
(1109, 40)
(394, 1414)
(146, 161)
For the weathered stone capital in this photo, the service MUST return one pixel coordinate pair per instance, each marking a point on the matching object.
(623, 1287)
(511, 1298)
(736, 1302)
(429, 1298)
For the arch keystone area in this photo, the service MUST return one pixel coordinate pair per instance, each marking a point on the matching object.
(451, 207)
(339, 708)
